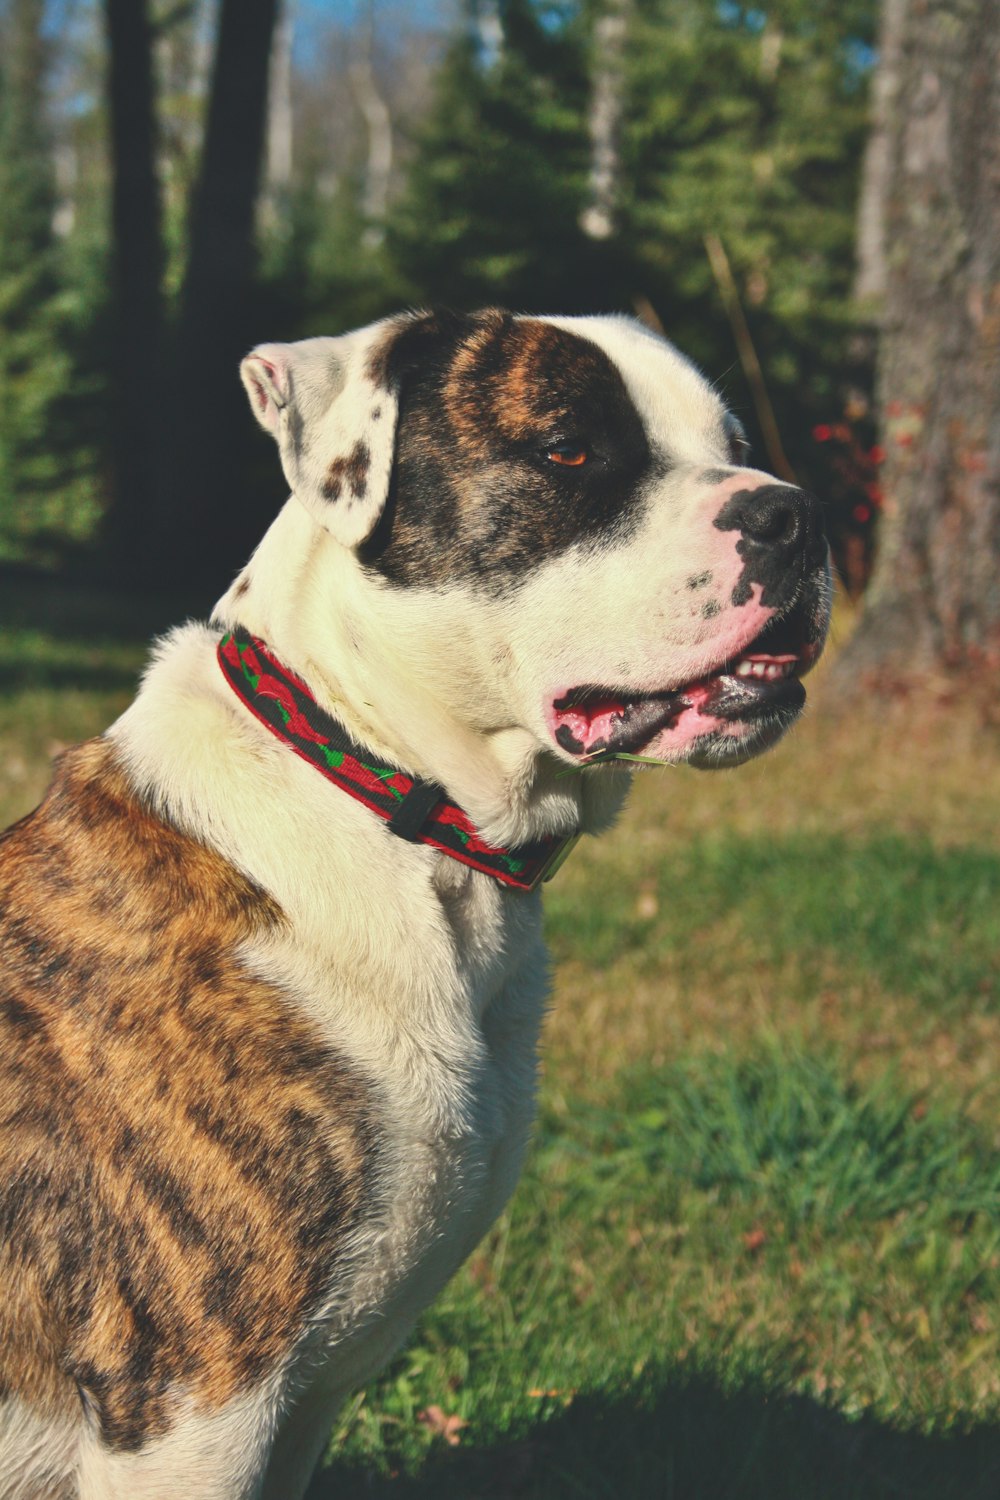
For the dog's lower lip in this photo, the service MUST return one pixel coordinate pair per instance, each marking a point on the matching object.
(591, 720)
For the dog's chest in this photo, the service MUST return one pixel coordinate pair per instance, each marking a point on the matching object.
(444, 1023)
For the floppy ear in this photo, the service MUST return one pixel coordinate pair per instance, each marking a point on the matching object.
(331, 405)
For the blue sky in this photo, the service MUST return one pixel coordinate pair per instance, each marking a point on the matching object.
(348, 10)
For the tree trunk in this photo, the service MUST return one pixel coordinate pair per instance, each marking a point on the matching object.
(378, 124)
(934, 600)
(280, 122)
(877, 167)
(607, 102)
(215, 328)
(137, 264)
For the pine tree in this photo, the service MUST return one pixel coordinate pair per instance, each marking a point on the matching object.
(46, 488)
(729, 121)
(748, 124)
(500, 179)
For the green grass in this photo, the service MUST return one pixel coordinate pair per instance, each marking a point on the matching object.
(897, 911)
(754, 1240)
(756, 1249)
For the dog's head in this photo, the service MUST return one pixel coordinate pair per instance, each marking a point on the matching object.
(567, 501)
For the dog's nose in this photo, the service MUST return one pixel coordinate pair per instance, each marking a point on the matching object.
(781, 519)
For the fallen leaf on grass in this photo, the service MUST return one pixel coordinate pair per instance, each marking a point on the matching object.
(755, 1238)
(441, 1425)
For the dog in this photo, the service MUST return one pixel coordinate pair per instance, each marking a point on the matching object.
(271, 965)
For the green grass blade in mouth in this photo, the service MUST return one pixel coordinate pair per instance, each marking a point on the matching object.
(602, 757)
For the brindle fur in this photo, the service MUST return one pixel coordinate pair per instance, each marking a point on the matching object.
(179, 1154)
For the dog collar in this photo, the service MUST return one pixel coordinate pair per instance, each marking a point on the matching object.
(415, 810)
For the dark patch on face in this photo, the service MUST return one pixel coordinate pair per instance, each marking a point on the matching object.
(474, 497)
(352, 471)
(181, 1158)
(376, 413)
(715, 476)
(241, 587)
(710, 609)
(699, 580)
(782, 541)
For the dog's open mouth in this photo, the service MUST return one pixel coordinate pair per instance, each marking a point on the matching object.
(762, 682)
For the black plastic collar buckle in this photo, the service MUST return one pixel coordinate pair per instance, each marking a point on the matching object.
(413, 810)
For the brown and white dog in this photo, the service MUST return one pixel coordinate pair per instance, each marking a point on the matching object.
(267, 1070)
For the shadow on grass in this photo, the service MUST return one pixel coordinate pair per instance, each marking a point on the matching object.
(40, 601)
(56, 634)
(88, 677)
(691, 1441)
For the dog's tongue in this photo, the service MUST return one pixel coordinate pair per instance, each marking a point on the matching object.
(593, 724)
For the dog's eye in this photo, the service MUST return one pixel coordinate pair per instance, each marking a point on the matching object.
(737, 440)
(569, 454)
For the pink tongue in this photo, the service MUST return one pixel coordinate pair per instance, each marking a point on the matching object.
(591, 723)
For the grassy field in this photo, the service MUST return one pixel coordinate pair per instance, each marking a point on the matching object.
(756, 1251)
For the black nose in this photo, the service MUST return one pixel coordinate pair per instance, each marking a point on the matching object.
(779, 517)
(782, 537)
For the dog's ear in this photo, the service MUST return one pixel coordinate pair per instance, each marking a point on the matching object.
(331, 404)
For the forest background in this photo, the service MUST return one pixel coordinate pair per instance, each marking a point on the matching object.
(166, 202)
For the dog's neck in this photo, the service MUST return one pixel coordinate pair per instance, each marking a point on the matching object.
(387, 664)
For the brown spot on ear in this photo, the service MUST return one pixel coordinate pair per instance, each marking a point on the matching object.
(352, 471)
(182, 1160)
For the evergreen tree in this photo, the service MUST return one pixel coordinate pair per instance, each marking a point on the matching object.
(46, 489)
(500, 179)
(732, 121)
(748, 123)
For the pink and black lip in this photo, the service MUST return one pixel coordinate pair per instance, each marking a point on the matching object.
(761, 683)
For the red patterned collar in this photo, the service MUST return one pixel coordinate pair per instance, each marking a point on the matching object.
(418, 811)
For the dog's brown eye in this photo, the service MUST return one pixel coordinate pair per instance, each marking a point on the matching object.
(568, 454)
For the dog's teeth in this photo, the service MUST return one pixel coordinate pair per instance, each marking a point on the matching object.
(768, 671)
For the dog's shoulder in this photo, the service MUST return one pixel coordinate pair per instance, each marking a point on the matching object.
(180, 1153)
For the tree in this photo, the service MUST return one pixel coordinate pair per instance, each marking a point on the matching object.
(746, 123)
(137, 364)
(206, 406)
(45, 469)
(499, 182)
(607, 102)
(179, 413)
(934, 599)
